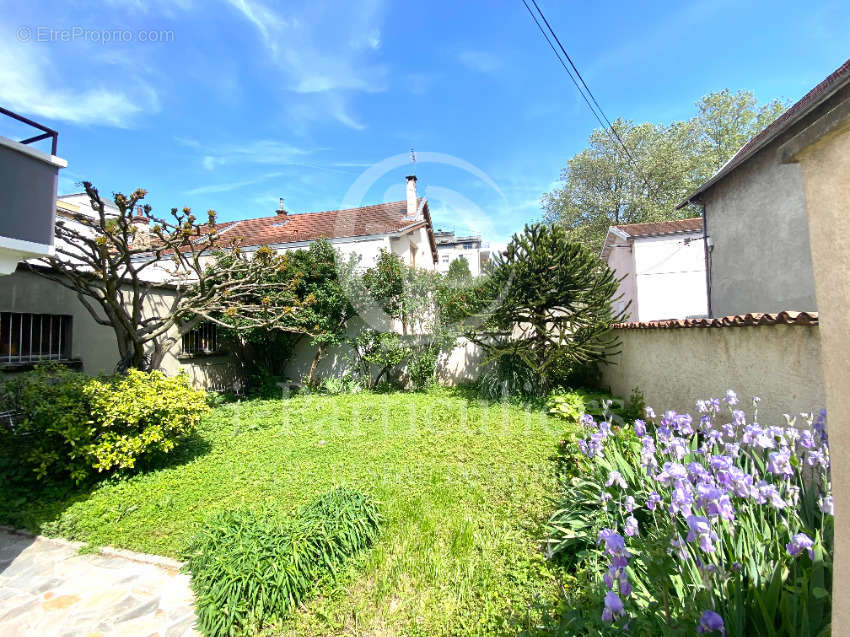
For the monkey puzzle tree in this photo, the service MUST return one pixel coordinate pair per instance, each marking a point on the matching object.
(117, 262)
(549, 306)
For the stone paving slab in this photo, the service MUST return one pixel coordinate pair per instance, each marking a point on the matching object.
(48, 588)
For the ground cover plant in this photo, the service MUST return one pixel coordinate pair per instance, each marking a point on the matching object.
(464, 486)
(251, 569)
(717, 525)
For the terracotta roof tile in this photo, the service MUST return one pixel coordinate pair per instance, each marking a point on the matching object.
(331, 224)
(738, 320)
(661, 227)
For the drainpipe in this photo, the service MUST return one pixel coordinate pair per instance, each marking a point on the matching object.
(707, 250)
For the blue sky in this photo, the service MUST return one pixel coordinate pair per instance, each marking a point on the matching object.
(242, 102)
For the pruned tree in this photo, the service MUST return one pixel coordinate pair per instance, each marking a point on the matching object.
(548, 306)
(119, 260)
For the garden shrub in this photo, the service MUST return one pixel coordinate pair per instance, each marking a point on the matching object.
(252, 569)
(66, 423)
(715, 524)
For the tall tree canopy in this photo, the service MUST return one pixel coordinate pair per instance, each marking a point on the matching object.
(601, 186)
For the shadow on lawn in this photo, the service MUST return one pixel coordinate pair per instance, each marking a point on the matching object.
(38, 505)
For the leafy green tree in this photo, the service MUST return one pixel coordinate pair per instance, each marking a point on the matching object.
(550, 306)
(309, 292)
(459, 272)
(602, 186)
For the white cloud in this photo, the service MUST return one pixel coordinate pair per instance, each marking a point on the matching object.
(26, 86)
(480, 61)
(234, 185)
(326, 50)
(263, 151)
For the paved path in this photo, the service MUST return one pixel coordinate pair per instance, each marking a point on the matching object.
(48, 588)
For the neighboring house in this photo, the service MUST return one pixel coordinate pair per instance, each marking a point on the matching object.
(42, 320)
(401, 227)
(756, 226)
(28, 180)
(471, 247)
(661, 267)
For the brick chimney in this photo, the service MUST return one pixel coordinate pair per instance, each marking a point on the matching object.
(411, 196)
(142, 237)
(281, 211)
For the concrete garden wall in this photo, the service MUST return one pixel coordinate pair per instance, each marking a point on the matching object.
(676, 367)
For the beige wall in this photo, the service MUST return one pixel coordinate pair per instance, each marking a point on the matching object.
(676, 367)
(95, 344)
(824, 155)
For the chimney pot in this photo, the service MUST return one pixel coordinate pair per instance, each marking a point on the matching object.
(281, 210)
(411, 196)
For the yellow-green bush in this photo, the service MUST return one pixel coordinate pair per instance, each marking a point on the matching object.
(65, 423)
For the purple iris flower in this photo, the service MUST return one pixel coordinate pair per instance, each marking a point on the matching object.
(630, 504)
(631, 526)
(613, 607)
(739, 417)
(672, 473)
(615, 477)
(650, 413)
(676, 448)
(640, 428)
(826, 505)
(684, 423)
(768, 493)
(615, 544)
(817, 457)
(652, 501)
(698, 473)
(731, 397)
(681, 499)
(711, 622)
(699, 528)
(779, 463)
(807, 440)
(799, 543)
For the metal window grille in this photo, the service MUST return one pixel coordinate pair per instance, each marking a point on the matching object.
(201, 340)
(25, 338)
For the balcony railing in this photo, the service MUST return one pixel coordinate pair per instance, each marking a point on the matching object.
(28, 182)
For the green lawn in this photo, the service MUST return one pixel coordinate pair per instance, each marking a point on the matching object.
(463, 486)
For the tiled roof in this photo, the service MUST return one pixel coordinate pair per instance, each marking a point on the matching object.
(661, 227)
(382, 218)
(827, 87)
(737, 320)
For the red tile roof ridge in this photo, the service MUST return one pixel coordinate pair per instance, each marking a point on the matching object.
(788, 317)
(650, 228)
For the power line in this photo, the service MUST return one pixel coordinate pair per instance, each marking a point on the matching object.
(609, 128)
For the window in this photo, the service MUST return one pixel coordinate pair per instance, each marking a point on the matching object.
(25, 338)
(201, 340)
(468, 246)
(445, 258)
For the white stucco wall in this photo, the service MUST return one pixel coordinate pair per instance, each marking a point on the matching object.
(473, 257)
(674, 368)
(622, 263)
(670, 277)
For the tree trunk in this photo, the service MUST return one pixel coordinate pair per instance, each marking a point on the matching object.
(311, 377)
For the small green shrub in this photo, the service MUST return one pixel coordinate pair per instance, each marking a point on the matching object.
(252, 569)
(66, 423)
(508, 376)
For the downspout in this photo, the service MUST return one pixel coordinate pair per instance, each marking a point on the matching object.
(707, 252)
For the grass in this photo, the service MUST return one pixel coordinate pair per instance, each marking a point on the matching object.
(463, 487)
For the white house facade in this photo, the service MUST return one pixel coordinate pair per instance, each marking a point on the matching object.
(661, 267)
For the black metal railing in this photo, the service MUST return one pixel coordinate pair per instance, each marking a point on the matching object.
(48, 133)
